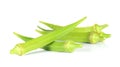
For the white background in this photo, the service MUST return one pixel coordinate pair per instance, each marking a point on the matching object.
(23, 16)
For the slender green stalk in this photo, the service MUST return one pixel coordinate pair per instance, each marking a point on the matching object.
(40, 42)
(96, 28)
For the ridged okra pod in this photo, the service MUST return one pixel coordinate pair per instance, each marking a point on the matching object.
(40, 42)
(90, 37)
(59, 46)
(96, 28)
(63, 46)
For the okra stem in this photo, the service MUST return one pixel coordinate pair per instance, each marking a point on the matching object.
(103, 36)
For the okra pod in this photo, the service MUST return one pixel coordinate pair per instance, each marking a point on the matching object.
(63, 46)
(60, 46)
(90, 37)
(40, 42)
(96, 28)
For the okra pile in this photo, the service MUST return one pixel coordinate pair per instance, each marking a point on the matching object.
(61, 38)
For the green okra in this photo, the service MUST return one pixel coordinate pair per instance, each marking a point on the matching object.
(24, 38)
(40, 42)
(90, 37)
(64, 46)
(60, 46)
(96, 28)
(45, 32)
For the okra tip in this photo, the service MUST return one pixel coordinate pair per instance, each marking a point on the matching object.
(18, 35)
(41, 28)
(85, 17)
(38, 31)
(42, 22)
(15, 33)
